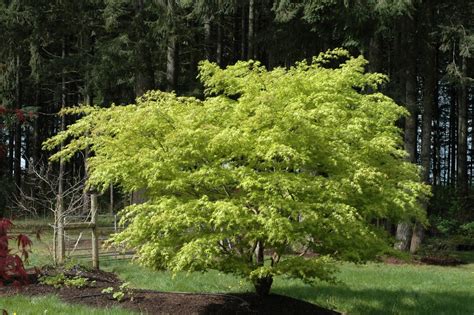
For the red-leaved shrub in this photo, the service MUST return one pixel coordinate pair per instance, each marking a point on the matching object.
(12, 269)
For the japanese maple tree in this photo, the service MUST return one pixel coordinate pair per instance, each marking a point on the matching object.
(270, 163)
(12, 269)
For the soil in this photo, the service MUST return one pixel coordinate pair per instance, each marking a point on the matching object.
(397, 261)
(425, 260)
(154, 302)
(441, 260)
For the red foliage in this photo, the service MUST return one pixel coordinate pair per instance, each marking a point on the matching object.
(12, 269)
(20, 115)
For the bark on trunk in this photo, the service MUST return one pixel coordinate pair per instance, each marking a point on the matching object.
(375, 54)
(207, 37)
(11, 150)
(452, 139)
(251, 36)
(417, 237)
(171, 63)
(461, 182)
(404, 231)
(429, 89)
(219, 51)
(60, 248)
(17, 160)
(403, 236)
(144, 74)
(95, 239)
(243, 26)
(263, 284)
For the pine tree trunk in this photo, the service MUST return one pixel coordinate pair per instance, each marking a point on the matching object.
(461, 182)
(144, 74)
(171, 63)
(404, 230)
(219, 42)
(17, 160)
(375, 54)
(207, 38)
(243, 25)
(452, 138)
(251, 36)
(11, 150)
(436, 137)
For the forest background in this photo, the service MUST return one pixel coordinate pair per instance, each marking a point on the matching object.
(57, 54)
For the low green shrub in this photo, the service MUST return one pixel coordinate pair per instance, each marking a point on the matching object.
(60, 280)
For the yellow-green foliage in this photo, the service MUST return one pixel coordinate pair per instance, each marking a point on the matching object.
(307, 156)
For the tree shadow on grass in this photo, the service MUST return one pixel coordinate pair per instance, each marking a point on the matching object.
(384, 301)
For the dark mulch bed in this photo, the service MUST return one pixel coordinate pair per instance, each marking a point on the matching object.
(441, 260)
(154, 302)
(397, 261)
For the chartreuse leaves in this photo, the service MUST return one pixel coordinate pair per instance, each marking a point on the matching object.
(294, 160)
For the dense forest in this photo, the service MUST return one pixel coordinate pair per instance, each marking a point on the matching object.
(58, 54)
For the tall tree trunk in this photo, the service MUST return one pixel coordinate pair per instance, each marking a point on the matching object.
(207, 37)
(452, 138)
(172, 63)
(429, 89)
(375, 53)
(17, 160)
(251, 36)
(236, 42)
(144, 74)
(11, 150)
(436, 137)
(461, 181)
(404, 231)
(219, 51)
(243, 25)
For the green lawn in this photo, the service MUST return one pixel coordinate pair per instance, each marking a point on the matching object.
(50, 305)
(365, 289)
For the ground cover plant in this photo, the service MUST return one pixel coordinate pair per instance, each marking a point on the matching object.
(269, 166)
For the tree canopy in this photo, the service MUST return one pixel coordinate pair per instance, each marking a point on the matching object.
(269, 164)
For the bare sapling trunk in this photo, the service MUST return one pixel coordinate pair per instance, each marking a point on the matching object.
(60, 248)
(95, 239)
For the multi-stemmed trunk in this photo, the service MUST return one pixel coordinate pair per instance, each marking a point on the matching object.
(262, 284)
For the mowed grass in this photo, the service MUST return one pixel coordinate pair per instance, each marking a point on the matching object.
(46, 305)
(364, 289)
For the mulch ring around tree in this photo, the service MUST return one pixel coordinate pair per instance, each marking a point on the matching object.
(155, 302)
